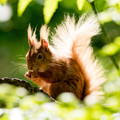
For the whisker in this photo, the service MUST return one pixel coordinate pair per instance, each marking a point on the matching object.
(21, 58)
(23, 65)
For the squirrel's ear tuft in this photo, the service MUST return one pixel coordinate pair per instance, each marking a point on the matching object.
(44, 31)
(44, 36)
(31, 37)
(44, 43)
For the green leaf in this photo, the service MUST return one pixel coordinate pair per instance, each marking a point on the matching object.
(80, 4)
(3, 1)
(71, 5)
(86, 7)
(90, 1)
(22, 5)
(117, 40)
(110, 49)
(5, 116)
(49, 9)
(100, 5)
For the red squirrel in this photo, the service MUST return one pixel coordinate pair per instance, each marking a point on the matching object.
(68, 65)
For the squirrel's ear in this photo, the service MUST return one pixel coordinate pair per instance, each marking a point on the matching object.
(44, 43)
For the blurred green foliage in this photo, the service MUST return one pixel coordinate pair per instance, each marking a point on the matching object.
(111, 48)
(3, 1)
(15, 16)
(16, 103)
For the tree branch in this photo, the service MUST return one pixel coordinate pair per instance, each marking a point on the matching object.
(22, 83)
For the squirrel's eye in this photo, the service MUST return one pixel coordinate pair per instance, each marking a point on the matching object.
(39, 56)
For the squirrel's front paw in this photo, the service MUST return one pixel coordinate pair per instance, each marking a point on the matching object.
(28, 75)
(31, 74)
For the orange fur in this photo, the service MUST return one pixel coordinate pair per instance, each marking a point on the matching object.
(69, 65)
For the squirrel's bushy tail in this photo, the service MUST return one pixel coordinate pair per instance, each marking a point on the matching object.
(72, 40)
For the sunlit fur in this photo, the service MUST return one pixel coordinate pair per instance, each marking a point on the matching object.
(72, 58)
